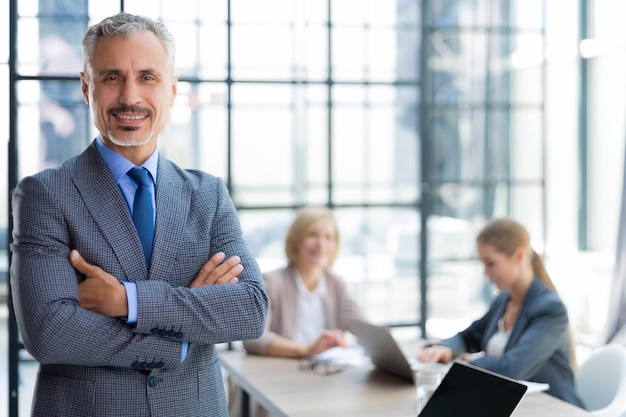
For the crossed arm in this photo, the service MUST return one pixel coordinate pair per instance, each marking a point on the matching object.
(102, 293)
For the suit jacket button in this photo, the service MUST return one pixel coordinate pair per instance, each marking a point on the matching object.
(179, 335)
(162, 332)
(160, 365)
(171, 333)
(143, 365)
(152, 382)
(154, 331)
(135, 365)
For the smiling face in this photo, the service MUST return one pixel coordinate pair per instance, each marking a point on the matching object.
(318, 246)
(130, 87)
(502, 270)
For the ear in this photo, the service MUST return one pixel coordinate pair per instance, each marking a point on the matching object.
(174, 89)
(84, 86)
(520, 254)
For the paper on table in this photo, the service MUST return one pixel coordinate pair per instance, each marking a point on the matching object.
(535, 386)
(348, 356)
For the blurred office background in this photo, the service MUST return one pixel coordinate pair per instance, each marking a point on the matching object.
(416, 120)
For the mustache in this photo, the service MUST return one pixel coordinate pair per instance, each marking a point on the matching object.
(131, 109)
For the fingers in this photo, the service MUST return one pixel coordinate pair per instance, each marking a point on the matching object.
(338, 338)
(428, 355)
(435, 354)
(218, 271)
(328, 339)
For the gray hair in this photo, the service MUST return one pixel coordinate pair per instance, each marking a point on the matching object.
(126, 24)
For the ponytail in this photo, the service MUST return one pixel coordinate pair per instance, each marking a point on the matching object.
(540, 271)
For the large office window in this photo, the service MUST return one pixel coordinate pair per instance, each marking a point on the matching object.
(401, 115)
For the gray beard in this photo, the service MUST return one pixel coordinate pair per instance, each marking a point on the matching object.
(131, 142)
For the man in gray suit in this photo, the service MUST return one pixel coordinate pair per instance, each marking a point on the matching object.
(119, 326)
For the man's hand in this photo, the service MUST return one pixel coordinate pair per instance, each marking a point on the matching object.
(218, 271)
(100, 292)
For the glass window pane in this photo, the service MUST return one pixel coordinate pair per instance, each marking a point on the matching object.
(196, 134)
(264, 233)
(458, 293)
(454, 13)
(263, 156)
(51, 46)
(348, 53)
(212, 119)
(98, 10)
(527, 153)
(458, 64)
(527, 205)
(262, 53)
(203, 52)
(311, 53)
(62, 131)
(379, 270)
(4, 39)
(525, 14)
(151, 9)
(526, 77)
(462, 202)
(27, 7)
(375, 148)
(265, 12)
(312, 134)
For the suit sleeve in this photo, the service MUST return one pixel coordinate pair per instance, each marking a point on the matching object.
(54, 328)
(470, 339)
(214, 313)
(259, 345)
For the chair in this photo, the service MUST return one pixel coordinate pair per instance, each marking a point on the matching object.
(601, 381)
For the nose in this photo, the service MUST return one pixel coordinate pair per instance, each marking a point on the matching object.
(129, 93)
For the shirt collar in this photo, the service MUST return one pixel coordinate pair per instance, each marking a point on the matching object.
(119, 166)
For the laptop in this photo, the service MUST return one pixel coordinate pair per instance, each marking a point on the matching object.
(470, 391)
(381, 347)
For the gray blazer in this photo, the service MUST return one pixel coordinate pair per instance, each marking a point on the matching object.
(92, 365)
(538, 347)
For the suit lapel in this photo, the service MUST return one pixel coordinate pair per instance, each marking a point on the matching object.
(173, 198)
(94, 180)
(522, 319)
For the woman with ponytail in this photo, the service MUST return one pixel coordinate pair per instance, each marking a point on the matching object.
(525, 334)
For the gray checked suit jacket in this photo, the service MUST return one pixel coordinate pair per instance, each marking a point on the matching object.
(92, 365)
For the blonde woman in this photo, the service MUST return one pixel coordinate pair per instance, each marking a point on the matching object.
(525, 333)
(307, 300)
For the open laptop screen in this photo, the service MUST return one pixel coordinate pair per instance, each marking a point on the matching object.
(469, 391)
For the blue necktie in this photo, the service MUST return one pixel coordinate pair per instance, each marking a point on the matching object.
(143, 213)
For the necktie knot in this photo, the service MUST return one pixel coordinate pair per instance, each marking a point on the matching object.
(140, 176)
